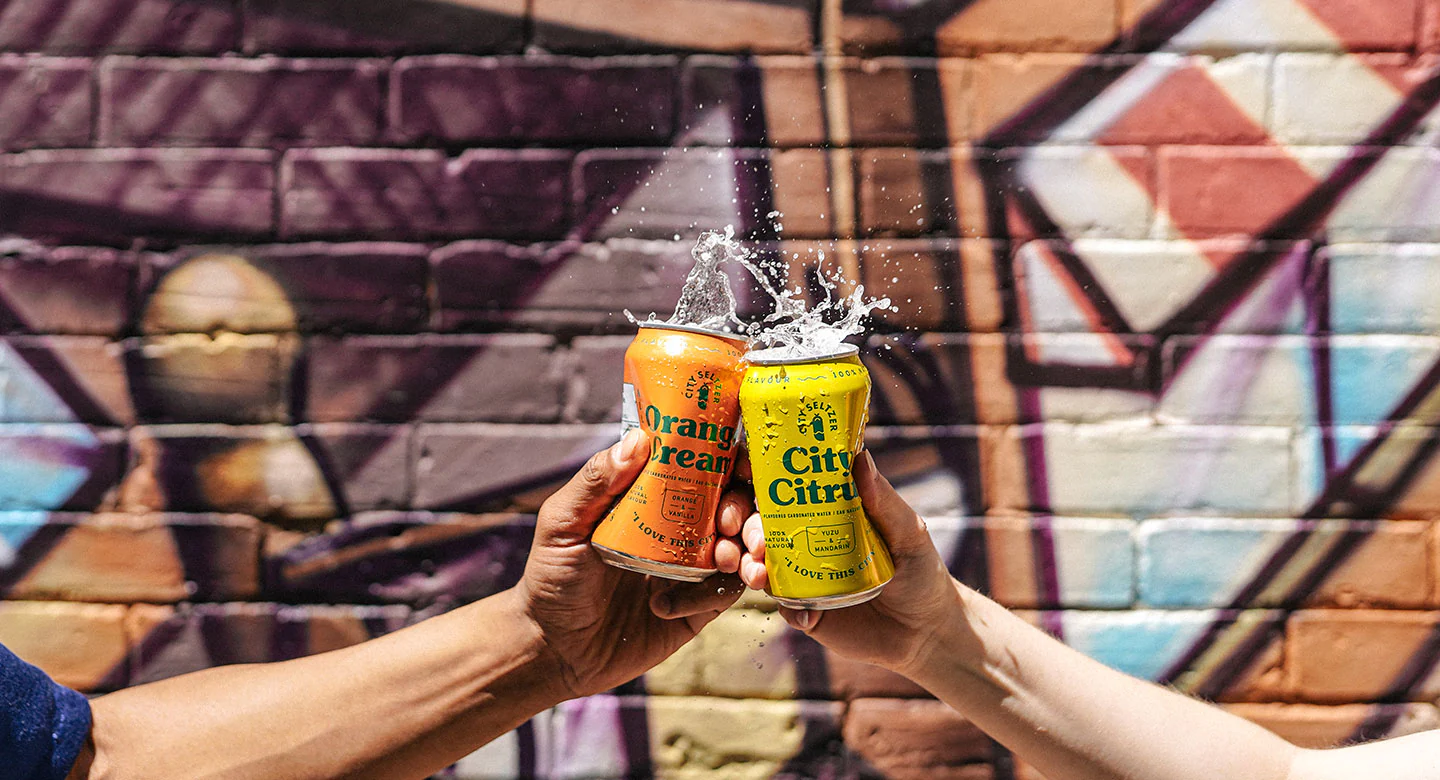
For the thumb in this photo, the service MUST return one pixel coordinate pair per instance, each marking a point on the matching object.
(901, 527)
(575, 508)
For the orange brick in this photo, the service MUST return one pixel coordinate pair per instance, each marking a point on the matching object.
(794, 115)
(1011, 561)
(1265, 679)
(230, 378)
(159, 558)
(697, 25)
(916, 739)
(1338, 656)
(905, 192)
(868, 34)
(80, 645)
(957, 92)
(996, 402)
(1005, 84)
(1218, 674)
(892, 192)
(919, 278)
(108, 558)
(971, 196)
(1314, 726)
(1433, 574)
(1007, 485)
(906, 102)
(801, 192)
(1390, 568)
(1030, 25)
(880, 95)
(235, 473)
(984, 291)
(141, 619)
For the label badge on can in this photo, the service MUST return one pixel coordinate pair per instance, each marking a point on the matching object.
(806, 422)
(681, 388)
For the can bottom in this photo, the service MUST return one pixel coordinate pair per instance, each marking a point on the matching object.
(831, 602)
(670, 571)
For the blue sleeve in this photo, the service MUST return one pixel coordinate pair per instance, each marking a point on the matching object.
(42, 725)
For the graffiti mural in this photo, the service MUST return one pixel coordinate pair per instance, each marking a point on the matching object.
(307, 306)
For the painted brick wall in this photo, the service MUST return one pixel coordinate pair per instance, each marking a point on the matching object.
(307, 304)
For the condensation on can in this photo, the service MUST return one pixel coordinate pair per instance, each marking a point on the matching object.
(681, 387)
(805, 422)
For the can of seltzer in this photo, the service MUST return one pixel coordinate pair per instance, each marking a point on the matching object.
(805, 422)
(682, 388)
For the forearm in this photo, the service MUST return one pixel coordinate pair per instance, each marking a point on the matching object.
(1076, 719)
(402, 706)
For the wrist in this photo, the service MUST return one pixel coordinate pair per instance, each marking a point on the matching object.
(940, 640)
(539, 669)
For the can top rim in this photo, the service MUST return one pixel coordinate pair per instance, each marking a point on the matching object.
(758, 359)
(719, 334)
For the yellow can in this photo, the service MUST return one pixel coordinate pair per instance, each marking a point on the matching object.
(805, 422)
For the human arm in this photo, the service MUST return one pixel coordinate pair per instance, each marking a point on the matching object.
(410, 703)
(403, 705)
(1069, 716)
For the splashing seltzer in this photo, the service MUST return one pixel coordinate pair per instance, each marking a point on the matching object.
(805, 418)
(681, 386)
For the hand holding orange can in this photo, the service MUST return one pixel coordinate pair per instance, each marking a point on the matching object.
(682, 388)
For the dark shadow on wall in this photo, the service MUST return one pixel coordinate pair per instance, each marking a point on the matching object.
(140, 27)
(918, 21)
(379, 25)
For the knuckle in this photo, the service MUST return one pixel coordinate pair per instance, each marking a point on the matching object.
(595, 473)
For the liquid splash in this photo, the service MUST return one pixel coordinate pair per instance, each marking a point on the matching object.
(707, 301)
(793, 330)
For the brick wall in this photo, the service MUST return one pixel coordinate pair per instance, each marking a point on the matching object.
(308, 305)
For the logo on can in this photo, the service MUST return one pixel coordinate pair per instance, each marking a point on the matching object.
(806, 422)
(681, 388)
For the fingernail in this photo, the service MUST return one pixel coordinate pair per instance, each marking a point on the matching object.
(664, 604)
(632, 443)
(871, 473)
(804, 619)
(624, 449)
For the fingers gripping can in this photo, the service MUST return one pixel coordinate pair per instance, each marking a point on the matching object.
(681, 387)
(805, 420)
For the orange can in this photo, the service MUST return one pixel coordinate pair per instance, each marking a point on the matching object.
(682, 387)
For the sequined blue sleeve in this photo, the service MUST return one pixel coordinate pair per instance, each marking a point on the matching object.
(42, 725)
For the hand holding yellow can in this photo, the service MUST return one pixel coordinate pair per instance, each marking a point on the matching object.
(805, 421)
